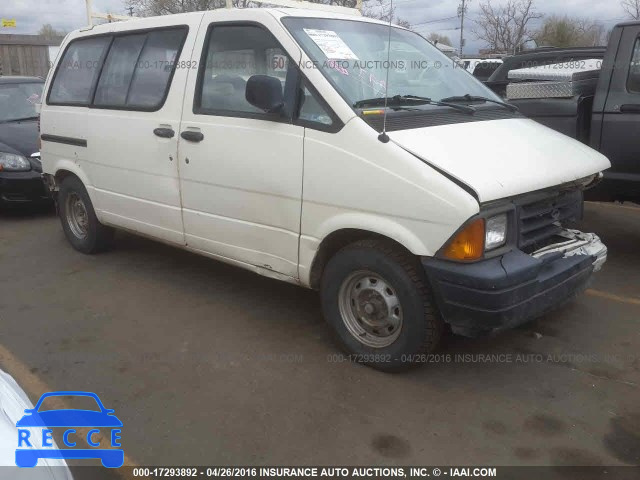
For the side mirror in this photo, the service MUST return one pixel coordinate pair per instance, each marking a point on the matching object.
(265, 93)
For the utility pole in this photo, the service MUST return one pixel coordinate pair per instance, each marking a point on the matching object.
(462, 9)
(130, 11)
(90, 13)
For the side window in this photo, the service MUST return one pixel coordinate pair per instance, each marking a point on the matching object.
(138, 69)
(633, 81)
(118, 71)
(311, 110)
(77, 71)
(155, 68)
(233, 55)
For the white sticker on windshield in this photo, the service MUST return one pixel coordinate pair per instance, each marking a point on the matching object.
(331, 44)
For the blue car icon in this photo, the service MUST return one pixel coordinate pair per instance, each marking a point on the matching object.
(71, 419)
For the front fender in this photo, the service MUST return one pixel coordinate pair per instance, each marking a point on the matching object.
(385, 226)
(399, 230)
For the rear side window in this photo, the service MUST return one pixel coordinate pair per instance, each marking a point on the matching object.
(154, 68)
(118, 71)
(78, 71)
(633, 82)
(137, 70)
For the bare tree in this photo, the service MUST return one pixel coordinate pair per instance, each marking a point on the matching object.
(506, 27)
(168, 7)
(382, 10)
(379, 9)
(570, 32)
(631, 8)
(437, 38)
(48, 31)
(593, 33)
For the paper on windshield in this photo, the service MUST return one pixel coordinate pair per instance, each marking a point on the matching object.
(331, 44)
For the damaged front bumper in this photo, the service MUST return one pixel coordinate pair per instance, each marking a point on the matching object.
(509, 290)
(578, 243)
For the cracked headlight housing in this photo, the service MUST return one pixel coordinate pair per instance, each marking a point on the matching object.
(10, 162)
(495, 231)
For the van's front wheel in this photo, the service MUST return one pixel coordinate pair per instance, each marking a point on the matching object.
(78, 218)
(377, 302)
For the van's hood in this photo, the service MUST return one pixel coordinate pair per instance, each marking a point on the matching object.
(502, 158)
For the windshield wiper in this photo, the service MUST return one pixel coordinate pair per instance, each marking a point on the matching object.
(475, 98)
(402, 100)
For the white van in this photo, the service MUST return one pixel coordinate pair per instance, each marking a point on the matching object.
(260, 137)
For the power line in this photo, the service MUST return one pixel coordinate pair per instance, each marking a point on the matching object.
(434, 21)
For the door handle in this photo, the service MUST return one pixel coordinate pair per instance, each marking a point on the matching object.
(164, 132)
(192, 136)
(630, 108)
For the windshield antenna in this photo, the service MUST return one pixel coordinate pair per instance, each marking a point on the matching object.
(383, 137)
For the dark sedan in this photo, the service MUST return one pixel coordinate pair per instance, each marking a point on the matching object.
(20, 167)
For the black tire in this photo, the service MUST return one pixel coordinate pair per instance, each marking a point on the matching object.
(421, 329)
(98, 237)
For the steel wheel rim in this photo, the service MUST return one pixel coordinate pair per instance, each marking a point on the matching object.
(370, 309)
(77, 216)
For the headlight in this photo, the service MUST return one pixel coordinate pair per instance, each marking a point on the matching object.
(477, 237)
(496, 232)
(11, 162)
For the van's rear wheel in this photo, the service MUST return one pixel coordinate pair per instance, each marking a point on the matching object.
(78, 218)
(376, 300)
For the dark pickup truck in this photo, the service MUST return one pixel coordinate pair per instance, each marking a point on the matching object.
(608, 119)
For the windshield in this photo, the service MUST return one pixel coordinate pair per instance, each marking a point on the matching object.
(353, 56)
(18, 100)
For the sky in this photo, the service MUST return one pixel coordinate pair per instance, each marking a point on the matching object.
(30, 15)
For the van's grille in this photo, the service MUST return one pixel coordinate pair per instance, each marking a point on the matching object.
(541, 219)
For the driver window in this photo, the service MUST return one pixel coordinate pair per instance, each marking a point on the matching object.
(311, 110)
(233, 55)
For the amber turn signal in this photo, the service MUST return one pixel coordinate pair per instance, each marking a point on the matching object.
(468, 244)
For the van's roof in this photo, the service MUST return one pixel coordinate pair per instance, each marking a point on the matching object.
(240, 13)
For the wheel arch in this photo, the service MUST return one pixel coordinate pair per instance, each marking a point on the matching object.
(337, 240)
(66, 168)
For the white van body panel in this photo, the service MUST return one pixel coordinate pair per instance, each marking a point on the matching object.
(130, 174)
(242, 185)
(65, 122)
(521, 156)
(135, 172)
(372, 186)
(240, 203)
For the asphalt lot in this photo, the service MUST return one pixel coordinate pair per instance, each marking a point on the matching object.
(208, 364)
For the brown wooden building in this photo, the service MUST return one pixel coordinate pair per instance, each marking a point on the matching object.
(28, 55)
